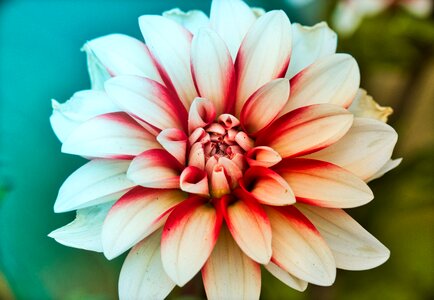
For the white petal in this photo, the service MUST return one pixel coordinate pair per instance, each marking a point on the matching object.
(96, 182)
(113, 135)
(229, 274)
(142, 275)
(231, 19)
(169, 43)
(299, 248)
(364, 106)
(388, 166)
(364, 150)
(263, 55)
(353, 247)
(331, 79)
(193, 20)
(309, 44)
(136, 215)
(85, 231)
(82, 106)
(189, 236)
(118, 54)
(286, 278)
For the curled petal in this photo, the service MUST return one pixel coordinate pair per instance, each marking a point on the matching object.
(175, 142)
(244, 141)
(298, 247)
(219, 182)
(189, 236)
(262, 156)
(155, 169)
(308, 129)
(98, 181)
(353, 247)
(197, 156)
(213, 69)
(267, 187)
(264, 105)
(229, 273)
(364, 106)
(197, 136)
(323, 184)
(263, 55)
(202, 113)
(232, 170)
(136, 215)
(228, 121)
(195, 181)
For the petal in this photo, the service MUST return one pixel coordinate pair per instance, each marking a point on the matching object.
(324, 184)
(142, 275)
(263, 55)
(85, 231)
(112, 135)
(96, 182)
(306, 130)
(264, 105)
(197, 156)
(229, 274)
(189, 236)
(136, 215)
(147, 100)
(195, 181)
(262, 156)
(364, 106)
(249, 226)
(155, 169)
(366, 147)
(82, 106)
(267, 187)
(298, 247)
(353, 247)
(119, 54)
(389, 165)
(231, 19)
(175, 142)
(213, 69)
(309, 44)
(170, 43)
(232, 170)
(220, 183)
(192, 20)
(332, 79)
(202, 113)
(286, 278)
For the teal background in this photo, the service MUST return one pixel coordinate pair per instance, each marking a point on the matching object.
(40, 60)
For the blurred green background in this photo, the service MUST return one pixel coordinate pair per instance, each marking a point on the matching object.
(40, 60)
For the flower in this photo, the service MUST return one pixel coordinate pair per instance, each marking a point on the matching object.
(223, 144)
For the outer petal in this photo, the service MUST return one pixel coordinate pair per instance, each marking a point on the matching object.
(192, 20)
(249, 226)
(96, 182)
(202, 113)
(263, 56)
(155, 169)
(264, 105)
(142, 275)
(309, 44)
(169, 43)
(364, 106)
(299, 248)
(324, 184)
(85, 231)
(353, 247)
(82, 106)
(113, 135)
(306, 130)
(118, 54)
(332, 79)
(286, 278)
(229, 274)
(366, 147)
(390, 165)
(147, 100)
(136, 215)
(231, 19)
(189, 236)
(213, 70)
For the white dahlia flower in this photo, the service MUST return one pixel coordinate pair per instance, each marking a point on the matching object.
(222, 144)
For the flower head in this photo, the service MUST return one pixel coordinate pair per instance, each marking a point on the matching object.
(220, 145)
